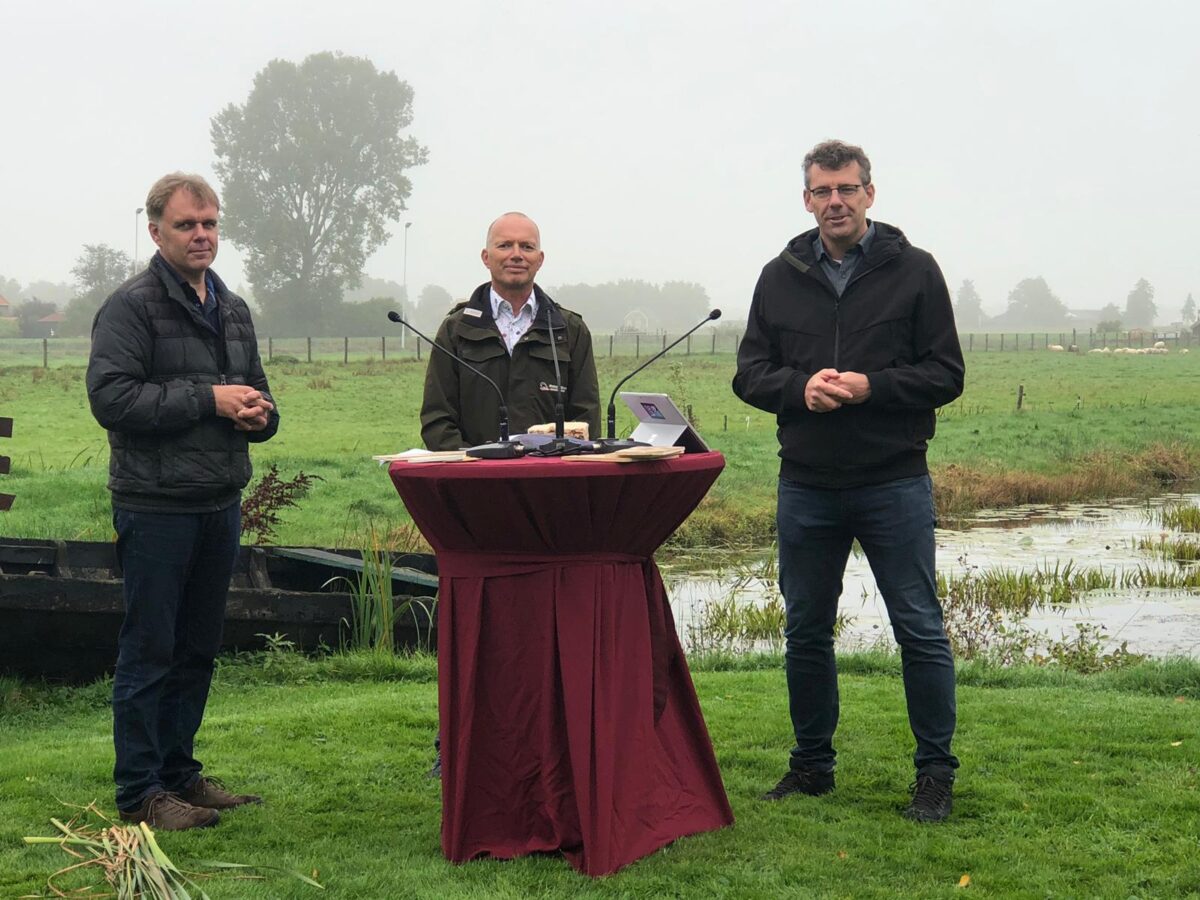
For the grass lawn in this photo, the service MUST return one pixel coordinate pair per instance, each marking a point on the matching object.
(1083, 423)
(1071, 787)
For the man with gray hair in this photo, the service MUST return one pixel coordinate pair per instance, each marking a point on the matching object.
(175, 377)
(851, 344)
(505, 330)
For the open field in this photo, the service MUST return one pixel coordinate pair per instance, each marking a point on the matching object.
(1071, 787)
(1090, 427)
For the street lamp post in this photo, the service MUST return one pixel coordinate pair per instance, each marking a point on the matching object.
(137, 212)
(407, 225)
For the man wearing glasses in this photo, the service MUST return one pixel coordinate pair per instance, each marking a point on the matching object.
(851, 343)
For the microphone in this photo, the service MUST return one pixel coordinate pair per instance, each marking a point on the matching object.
(501, 449)
(561, 445)
(611, 442)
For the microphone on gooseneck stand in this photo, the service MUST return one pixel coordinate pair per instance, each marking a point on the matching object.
(611, 442)
(561, 445)
(501, 449)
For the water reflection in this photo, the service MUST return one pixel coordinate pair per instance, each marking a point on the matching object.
(1153, 621)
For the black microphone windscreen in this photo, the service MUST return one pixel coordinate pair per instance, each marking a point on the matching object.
(394, 316)
(715, 314)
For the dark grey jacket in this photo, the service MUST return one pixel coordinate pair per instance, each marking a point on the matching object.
(460, 409)
(894, 323)
(149, 381)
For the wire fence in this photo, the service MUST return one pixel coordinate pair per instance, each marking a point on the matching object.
(73, 351)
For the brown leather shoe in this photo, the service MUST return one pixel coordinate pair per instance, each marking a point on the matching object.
(211, 793)
(164, 811)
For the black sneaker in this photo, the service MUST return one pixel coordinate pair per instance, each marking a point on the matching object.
(932, 799)
(801, 781)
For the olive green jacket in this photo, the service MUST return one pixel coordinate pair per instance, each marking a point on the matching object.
(460, 409)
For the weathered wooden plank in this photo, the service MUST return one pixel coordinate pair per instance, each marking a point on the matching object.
(351, 564)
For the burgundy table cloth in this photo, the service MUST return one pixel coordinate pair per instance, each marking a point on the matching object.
(568, 717)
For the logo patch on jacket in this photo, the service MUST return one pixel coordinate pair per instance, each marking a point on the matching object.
(557, 388)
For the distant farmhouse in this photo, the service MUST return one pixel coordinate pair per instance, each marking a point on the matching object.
(49, 326)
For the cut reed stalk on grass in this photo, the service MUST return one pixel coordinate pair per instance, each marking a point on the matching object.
(130, 861)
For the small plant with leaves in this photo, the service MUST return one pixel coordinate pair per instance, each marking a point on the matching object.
(277, 649)
(261, 508)
(1085, 653)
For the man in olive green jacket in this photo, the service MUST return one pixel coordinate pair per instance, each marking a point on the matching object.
(503, 331)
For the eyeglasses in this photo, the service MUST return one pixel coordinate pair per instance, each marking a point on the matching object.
(844, 190)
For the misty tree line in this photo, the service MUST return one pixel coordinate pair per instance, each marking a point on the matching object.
(313, 169)
(1032, 306)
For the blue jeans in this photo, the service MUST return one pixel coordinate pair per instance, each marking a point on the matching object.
(177, 568)
(894, 525)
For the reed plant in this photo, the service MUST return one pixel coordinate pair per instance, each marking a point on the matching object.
(985, 612)
(750, 616)
(375, 609)
(372, 624)
(1180, 550)
(1178, 517)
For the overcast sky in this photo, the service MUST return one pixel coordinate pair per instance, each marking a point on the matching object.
(653, 140)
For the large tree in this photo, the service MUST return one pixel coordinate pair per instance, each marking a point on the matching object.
(57, 292)
(1140, 310)
(432, 305)
(1189, 310)
(312, 169)
(1031, 304)
(99, 270)
(1110, 318)
(10, 289)
(629, 303)
(681, 304)
(968, 308)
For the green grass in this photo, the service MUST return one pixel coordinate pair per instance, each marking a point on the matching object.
(1071, 787)
(1082, 414)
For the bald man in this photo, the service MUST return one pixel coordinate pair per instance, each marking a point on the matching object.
(503, 331)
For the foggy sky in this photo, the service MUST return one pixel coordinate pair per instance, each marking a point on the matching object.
(653, 140)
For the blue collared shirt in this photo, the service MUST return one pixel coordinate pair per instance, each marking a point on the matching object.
(840, 273)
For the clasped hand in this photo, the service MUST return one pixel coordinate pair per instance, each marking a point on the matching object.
(248, 408)
(829, 389)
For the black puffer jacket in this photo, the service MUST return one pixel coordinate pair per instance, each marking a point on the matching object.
(149, 380)
(894, 323)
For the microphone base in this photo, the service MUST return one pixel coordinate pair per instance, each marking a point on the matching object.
(610, 445)
(560, 447)
(497, 450)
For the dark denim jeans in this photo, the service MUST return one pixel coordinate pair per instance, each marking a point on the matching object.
(177, 568)
(894, 525)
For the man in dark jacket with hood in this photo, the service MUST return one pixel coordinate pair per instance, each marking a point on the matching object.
(851, 343)
(175, 377)
(504, 330)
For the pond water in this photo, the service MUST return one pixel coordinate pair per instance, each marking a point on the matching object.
(1156, 622)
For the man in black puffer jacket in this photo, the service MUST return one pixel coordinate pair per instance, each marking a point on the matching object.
(851, 344)
(175, 377)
